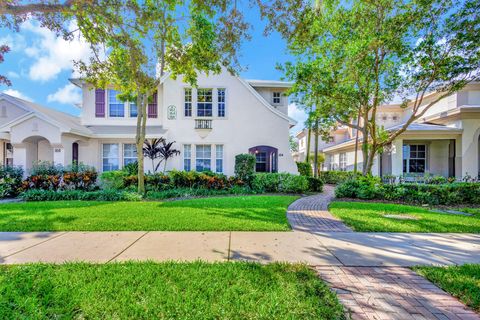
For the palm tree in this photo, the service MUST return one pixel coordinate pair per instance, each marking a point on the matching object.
(151, 150)
(167, 152)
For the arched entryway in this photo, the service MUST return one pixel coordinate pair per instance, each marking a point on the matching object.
(36, 149)
(267, 158)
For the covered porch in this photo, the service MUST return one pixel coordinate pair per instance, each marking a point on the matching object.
(424, 150)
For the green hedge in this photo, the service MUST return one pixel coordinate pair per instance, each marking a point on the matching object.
(335, 177)
(10, 181)
(304, 169)
(195, 192)
(280, 182)
(102, 195)
(467, 193)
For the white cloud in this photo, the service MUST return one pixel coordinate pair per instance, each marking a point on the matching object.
(16, 42)
(13, 75)
(17, 94)
(51, 54)
(298, 114)
(69, 94)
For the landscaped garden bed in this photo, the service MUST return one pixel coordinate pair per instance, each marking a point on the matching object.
(462, 281)
(386, 217)
(242, 213)
(165, 291)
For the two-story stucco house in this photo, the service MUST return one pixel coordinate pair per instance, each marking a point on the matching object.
(445, 141)
(222, 117)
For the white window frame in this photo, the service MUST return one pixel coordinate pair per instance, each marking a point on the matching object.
(408, 157)
(187, 156)
(219, 155)
(118, 102)
(274, 97)
(202, 157)
(111, 157)
(130, 104)
(342, 161)
(185, 102)
(206, 103)
(221, 100)
(134, 158)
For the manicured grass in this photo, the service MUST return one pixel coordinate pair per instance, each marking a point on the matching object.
(165, 291)
(251, 213)
(363, 216)
(462, 282)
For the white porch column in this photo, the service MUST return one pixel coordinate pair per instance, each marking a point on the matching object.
(470, 147)
(58, 155)
(20, 157)
(397, 157)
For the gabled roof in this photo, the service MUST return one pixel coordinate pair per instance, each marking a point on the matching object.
(59, 119)
(425, 127)
(269, 83)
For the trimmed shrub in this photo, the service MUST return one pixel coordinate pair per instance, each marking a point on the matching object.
(10, 181)
(315, 184)
(335, 177)
(245, 167)
(112, 179)
(304, 168)
(196, 192)
(431, 194)
(101, 195)
(45, 168)
(280, 182)
(131, 169)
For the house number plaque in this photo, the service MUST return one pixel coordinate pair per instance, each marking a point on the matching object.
(172, 112)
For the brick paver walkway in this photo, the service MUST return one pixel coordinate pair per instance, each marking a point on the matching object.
(310, 214)
(392, 293)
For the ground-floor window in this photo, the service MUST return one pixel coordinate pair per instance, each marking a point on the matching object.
(129, 153)
(203, 157)
(414, 158)
(8, 154)
(219, 158)
(110, 157)
(187, 157)
(343, 161)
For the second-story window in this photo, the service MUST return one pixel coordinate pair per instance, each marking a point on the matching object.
(277, 97)
(133, 110)
(221, 102)
(188, 102)
(204, 103)
(116, 108)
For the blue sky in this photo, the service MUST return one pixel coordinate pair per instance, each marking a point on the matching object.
(40, 64)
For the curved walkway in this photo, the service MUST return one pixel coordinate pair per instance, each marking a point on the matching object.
(310, 214)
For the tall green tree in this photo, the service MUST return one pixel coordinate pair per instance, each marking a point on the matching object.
(135, 43)
(356, 55)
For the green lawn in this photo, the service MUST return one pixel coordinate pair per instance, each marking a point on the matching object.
(364, 216)
(250, 213)
(462, 282)
(165, 291)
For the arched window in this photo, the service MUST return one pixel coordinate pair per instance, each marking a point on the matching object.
(74, 153)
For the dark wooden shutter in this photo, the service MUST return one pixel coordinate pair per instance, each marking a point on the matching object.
(153, 107)
(99, 103)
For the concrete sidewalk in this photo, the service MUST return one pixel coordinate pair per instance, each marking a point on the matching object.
(336, 248)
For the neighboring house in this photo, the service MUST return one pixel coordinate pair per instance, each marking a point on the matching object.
(211, 124)
(444, 142)
(338, 135)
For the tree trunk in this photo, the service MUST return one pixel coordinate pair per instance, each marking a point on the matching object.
(315, 161)
(139, 139)
(165, 166)
(355, 162)
(309, 139)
